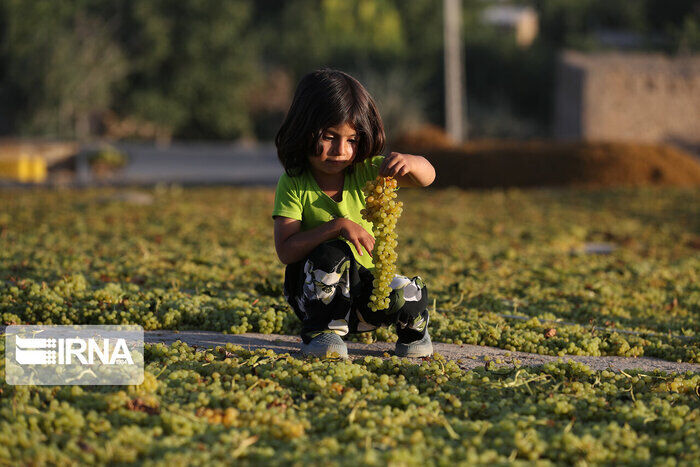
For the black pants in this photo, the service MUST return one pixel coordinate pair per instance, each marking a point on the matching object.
(329, 290)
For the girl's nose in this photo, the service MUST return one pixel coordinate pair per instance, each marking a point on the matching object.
(337, 148)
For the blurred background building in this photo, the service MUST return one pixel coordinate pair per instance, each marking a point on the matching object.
(628, 97)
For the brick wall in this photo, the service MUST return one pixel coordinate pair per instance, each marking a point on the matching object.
(628, 97)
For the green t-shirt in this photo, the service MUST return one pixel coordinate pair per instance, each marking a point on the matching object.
(301, 198)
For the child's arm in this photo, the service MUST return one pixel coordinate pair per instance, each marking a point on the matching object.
(293, 245)
(408, 170)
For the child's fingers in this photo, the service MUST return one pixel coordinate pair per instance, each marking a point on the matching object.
(358, 247)
(383, 168)
(369, 247)
(383, 164)
(394, 167)
(394, 171)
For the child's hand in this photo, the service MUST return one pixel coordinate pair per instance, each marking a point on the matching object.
(396, 164)
(356, 234)
(420, 171)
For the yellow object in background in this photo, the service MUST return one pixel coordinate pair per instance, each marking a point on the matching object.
(38, 169)
(23, 168)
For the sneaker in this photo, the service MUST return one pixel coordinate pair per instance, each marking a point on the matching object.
(325, 345)
(414, 348)
(420, 348)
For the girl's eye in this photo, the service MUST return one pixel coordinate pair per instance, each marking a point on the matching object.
(353, 141)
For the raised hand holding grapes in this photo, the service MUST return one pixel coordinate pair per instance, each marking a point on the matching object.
(409, 170)
(396, 164)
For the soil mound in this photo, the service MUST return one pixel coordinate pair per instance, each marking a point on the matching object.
(488, 164)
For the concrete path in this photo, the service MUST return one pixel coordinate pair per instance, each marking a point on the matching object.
(197, 163)
(467, 356)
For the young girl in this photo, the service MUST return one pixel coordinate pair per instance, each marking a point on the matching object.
(330, 145)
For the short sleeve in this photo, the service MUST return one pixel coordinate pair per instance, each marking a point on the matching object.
(370, 168)
(287, 199)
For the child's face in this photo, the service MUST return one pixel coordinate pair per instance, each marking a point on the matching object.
(339, 145)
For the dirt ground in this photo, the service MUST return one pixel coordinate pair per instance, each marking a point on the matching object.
(467, 356)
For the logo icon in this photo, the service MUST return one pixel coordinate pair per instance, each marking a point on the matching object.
(34, 351)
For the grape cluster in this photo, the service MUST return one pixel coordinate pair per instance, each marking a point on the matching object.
(383, 211)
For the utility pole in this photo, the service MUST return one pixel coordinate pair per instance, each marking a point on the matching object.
(455, 98)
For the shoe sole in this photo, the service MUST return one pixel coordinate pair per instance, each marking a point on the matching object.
(404, 350)
(325, 352)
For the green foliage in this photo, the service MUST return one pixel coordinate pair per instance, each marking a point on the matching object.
(189, 69)
(330, 32)
(194, 63)
(574, 24)
(228, 404)
(398, 97)
(507, 82)
(205, 259)
(361, 26)
(63, 63)
(423, 62)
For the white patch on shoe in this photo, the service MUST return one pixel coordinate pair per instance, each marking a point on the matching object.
(340, 326)
(399, 281)
(411, 291)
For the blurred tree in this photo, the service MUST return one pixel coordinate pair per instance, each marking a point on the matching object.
(399, 102)
(8, 91)
(193, 63)
(62, 63)
(423, 61)
(364, 28)
(303, 35)
(510, 87)
(657, 23)
(208, 69)
(358, 37)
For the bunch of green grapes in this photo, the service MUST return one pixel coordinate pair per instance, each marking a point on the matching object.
(383, 211)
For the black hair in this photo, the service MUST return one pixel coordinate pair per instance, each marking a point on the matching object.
(326, 98)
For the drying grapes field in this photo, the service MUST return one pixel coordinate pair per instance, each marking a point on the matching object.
(204, 258)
